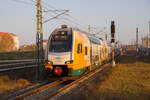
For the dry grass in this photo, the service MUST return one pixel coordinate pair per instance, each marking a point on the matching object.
(130, 80)
(7, 84)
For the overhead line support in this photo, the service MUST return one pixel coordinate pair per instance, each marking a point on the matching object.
(39, 38)
(113, 42)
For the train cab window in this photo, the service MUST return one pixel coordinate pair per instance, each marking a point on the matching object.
(60, 41)
(79, 49)
(86, 51)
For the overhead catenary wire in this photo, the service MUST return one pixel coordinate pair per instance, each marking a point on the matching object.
(46, 7)
(66, 14)
(24, 2)
(72, 21)
(56, 16)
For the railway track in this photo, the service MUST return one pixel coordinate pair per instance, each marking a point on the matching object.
(51, 90)
(28, 90)
(37, 93)
(16, 92)
(60, 92)
(7, 65)
(16, 61)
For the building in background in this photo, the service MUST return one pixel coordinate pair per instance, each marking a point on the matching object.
(32, 46)
(146, 42)
(8, 42)
(129, 47)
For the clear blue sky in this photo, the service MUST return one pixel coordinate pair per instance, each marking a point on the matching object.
(20, 18)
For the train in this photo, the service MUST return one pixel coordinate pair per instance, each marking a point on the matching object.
(71, 52)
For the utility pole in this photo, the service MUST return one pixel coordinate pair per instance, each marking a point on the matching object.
(147, 42)
(142, 41)
(89, 29)
(113, 42)
(39, 38)
(149, 36)
(137, 45)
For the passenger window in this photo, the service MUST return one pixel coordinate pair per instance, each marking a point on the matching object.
(85, 50)
(103, 51)
(79, 49)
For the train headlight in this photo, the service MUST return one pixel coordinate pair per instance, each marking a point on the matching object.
(69, 62)
(50, 62)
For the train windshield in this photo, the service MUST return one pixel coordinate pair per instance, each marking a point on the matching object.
(61, 41)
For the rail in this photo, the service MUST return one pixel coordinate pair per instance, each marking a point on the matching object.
(55, 89)
(8, 65)
(25, 51)
(24, 60)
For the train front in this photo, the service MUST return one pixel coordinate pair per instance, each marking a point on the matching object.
(59, 52)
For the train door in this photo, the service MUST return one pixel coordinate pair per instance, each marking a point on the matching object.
(100, 51)
(79, 52)
(91, 59)
(85, 58)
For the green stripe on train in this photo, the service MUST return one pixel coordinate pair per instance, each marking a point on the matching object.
(80, 71)
(77, 72)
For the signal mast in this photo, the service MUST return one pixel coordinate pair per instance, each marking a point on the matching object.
(113, 42)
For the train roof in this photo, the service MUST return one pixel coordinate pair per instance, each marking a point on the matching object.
(93, 39)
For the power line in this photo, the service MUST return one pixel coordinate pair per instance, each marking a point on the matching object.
(54, 13)
(56, 16)
(76, 20)
(46, 4)
(24, 2)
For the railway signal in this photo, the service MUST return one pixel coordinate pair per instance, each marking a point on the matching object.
(113, 41)
(112, 31)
